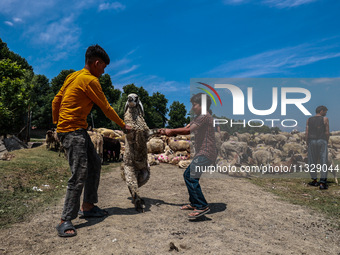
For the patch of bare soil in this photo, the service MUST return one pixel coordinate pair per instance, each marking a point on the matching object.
(243, 220)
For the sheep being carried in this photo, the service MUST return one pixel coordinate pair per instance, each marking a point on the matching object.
(135, 170)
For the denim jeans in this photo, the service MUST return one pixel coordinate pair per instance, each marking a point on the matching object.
(318, 154)
(191, 178)
(85, 165)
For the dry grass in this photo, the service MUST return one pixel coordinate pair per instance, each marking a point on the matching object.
(33, 179)
(296, 191)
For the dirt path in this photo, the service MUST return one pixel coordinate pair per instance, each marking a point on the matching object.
(243, 220)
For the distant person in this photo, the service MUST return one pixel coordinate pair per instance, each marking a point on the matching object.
(205, 155)
(317, 136)
(70, 108)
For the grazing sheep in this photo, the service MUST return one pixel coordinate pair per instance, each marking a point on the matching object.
(334, 142)
(331, 164)
(155, 145)
(180, 145)
(281, 140)
(262, 157)
(111, 149)
(286, 166)
(153, 159)
(52, 141)
(136, 171)
(245, 137)
(270, 139)
(295, 148)
(97, 140)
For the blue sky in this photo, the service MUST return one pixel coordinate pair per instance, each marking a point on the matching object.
(161, 44)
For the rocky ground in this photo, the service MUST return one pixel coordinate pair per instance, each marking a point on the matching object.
(243, 220)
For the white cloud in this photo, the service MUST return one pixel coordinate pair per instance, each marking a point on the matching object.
(9, 23)
(272, 3)
(62, 33)
(286, 3)
(17, 20)
(123, 73)
(235, 1)
(111, 6)
(126, 71)
(276, 61)
(25, 8)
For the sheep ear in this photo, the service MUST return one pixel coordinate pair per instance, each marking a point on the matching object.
(126, 106)
(141, 106)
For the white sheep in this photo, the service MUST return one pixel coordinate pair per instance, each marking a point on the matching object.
(97, 140)
(135, 171)
(263, 157)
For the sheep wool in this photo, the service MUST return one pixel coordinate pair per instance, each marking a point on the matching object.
(136, 171)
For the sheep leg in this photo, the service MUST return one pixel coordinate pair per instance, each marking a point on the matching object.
(132, 183)
(137, 200)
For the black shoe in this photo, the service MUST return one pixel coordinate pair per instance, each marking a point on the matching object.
(314, 183)
(323, 186)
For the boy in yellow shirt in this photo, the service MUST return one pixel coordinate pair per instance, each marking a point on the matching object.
(70, 108)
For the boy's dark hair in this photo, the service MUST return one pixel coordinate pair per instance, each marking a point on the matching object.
(198, 100)
(94, 52)
(321, 108)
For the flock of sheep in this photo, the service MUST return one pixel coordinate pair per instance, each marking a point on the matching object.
(238, 149)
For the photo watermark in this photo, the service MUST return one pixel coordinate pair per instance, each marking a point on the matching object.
(259, 127)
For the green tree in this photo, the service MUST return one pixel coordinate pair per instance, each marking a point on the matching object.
(15, 90)
(110, 92)
(41, 102)
(58, 81)
(159, 110)
(177, 115)
(155, 109)
(6, 53)
(112, 95)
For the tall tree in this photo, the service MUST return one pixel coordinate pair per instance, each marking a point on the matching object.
(58, 81)
(41, 102)
(110, 92)
(97, 118)
(6, 53)
(177, 115)
(15, 90)
(159, 110)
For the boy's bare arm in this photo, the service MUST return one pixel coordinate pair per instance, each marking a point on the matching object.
(178, 131)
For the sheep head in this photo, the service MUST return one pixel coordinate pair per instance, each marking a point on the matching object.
(133, 101)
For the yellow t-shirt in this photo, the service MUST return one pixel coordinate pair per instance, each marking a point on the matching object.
(75, 99)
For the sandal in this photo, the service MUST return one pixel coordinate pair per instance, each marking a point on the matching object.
(198, 213)
(323, 186)
(95, 212)
(65, 226)
(314, 183)
(188, 207)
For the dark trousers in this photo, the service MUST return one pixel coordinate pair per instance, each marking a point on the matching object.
(318, 154)
(85, 167)
(192, 177)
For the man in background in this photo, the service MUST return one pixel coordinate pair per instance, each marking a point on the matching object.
(317, 136)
